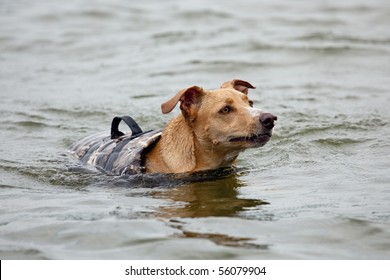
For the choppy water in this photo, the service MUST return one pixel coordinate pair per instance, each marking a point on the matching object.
(319, 190)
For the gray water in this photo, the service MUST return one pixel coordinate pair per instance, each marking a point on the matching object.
(320, 189)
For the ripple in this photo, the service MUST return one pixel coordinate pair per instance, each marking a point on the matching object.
(225, 240)
(170, 36)
(328, 124)
(6, 186)
(204, 14)
(30, 124)
(339, 142)
(165, 180)
(327, 36)
(22, 254)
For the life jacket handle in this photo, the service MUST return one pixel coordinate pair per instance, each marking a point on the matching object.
(131, 123)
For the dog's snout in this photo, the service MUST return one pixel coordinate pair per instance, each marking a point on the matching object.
(268, 120)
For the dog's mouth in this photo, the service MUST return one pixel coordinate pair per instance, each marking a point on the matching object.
(261, 138)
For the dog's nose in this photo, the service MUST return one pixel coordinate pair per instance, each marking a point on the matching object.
(267, 120)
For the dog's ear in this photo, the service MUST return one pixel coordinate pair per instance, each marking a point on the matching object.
(239, 85)
(187, 97)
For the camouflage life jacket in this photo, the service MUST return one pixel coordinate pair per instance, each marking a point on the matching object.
(118, 153)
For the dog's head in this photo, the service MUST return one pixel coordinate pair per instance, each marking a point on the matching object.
(225, 117)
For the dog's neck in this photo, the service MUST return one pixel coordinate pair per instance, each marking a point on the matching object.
(179, 150)
(176, 146)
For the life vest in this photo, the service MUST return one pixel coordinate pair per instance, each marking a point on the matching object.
(119, 153)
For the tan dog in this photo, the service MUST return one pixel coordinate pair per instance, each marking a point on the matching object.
(213, 128)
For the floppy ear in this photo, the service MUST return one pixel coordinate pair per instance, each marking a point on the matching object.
(188, 97)
(239, 85)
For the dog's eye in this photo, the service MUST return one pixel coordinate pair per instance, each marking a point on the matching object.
(251, 103)
(226, 109)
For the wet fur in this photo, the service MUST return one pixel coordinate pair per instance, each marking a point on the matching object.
(200, 138)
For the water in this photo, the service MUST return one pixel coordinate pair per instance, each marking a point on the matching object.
(318, 190)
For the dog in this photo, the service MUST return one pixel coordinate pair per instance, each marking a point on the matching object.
(213, 128)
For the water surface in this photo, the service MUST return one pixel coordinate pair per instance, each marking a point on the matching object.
(318, 190)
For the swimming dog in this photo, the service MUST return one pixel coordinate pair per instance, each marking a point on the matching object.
(213, 128)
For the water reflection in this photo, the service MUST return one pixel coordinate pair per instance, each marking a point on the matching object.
(212, 193)
(219, 238)
(210, 198)
(205, 199)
